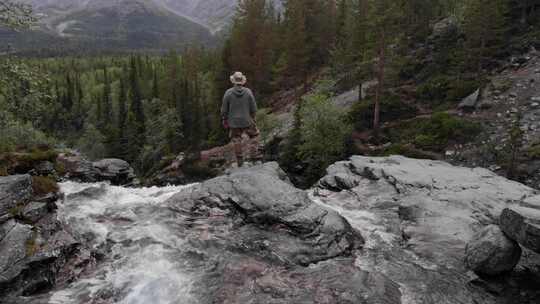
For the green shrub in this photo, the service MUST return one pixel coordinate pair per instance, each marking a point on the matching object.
(434, 89)
(323, 132)
(361, 114)
(442, 88)
(14, 133)
(427, 141)
(91, 143)
(534, 151)
(434, 133)
(267, 123)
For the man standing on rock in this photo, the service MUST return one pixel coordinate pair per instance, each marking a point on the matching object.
(238, 116)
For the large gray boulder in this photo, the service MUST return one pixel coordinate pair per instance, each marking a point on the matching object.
(261, 240)
(269, 210)
(417, 217)
(522, 223)
(15, 190)
(490, 252)
(76, 167)
(118, 171)
(469, 103)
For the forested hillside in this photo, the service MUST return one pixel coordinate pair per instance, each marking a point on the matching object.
(421, 58)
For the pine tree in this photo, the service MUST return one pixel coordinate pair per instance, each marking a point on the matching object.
(485, 25)
(122, 108)
(155, 85)
(296, 41)
(136, 98)
(341, 25)
(251, 46)
(68, 100)
(133, 145)
(106, 106)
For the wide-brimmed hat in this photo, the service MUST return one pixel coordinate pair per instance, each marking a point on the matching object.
(238, 78)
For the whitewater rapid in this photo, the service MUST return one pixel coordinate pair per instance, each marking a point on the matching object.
(141, 261)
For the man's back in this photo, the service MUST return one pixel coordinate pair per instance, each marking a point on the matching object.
(239, 107)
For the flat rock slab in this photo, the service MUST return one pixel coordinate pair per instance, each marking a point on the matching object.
(522, 223)
(13, 246)
(417, 217)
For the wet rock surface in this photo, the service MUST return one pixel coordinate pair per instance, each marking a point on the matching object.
(491, 252)
(417, 217)
(14, 190)
(374, 230)
(35, 248)
(269, 243)
(268, 212)
(118, 171)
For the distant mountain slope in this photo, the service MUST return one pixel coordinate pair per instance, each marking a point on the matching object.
(215, 14)
(108, 25)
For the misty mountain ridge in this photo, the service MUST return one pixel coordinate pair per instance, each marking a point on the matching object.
(122, 24)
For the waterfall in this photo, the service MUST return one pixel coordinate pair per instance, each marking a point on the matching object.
(141, 260)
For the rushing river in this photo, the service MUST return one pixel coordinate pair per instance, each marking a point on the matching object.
(142, 264)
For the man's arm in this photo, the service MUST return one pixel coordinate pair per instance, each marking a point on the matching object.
(225, 107)
(225, 111)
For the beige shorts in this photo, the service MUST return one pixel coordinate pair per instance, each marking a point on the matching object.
(236, 133)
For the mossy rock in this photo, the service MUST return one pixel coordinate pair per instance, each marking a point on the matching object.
(17, 210)
(42, 185)
(22, 162)
(32, 246)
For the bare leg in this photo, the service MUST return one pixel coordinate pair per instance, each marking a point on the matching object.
(237, 143)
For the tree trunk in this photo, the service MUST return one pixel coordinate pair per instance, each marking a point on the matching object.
(380, 85)
(524, 12)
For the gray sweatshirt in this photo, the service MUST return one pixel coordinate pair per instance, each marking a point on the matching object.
(238, 107)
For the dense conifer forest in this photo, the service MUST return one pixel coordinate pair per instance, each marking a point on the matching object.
(146, 107)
